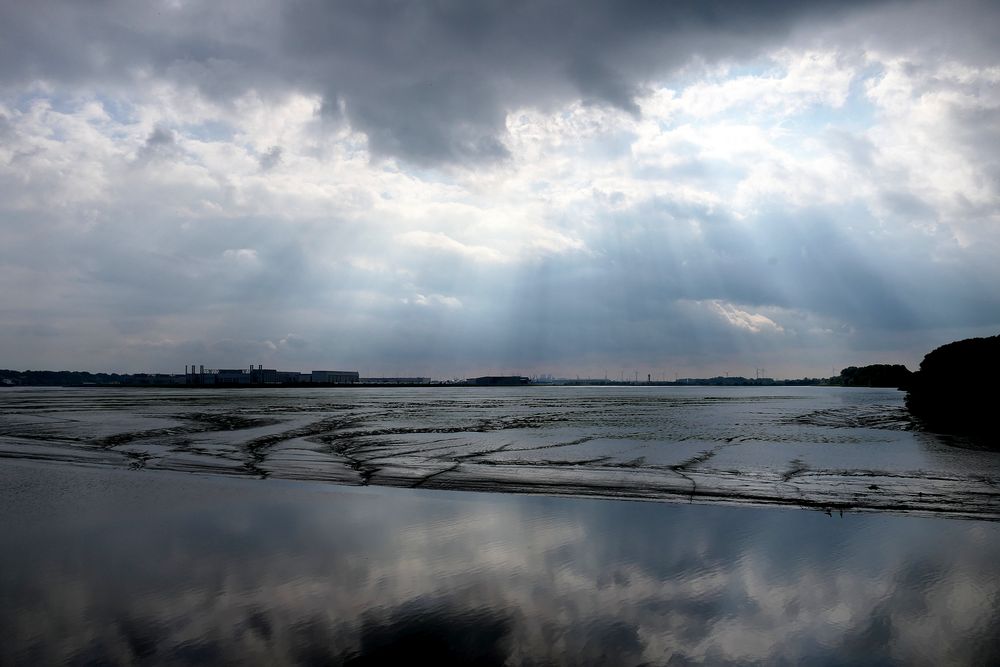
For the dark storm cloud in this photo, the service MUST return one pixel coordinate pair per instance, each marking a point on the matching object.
(428, 81)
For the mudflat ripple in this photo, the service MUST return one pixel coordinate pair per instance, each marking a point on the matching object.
(828, 448)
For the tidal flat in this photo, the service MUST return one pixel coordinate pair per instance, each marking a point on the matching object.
(830, 448)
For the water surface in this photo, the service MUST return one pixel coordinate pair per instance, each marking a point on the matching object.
(107, 566)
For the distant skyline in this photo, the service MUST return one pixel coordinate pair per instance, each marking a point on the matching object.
(454, 189)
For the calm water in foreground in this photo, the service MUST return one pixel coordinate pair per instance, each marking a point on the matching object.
(101, 566)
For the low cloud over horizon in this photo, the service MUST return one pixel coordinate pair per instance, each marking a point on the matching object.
(452, 188)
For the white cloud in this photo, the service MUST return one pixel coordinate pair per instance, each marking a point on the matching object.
(936, 139)
(440, 241)
(240, 255)
(795, 82)
(433, 300)
(743, 319)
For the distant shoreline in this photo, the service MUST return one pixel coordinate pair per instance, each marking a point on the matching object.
(442, 385)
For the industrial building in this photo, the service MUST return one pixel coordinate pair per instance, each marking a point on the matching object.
(199, 375)
(335, 377)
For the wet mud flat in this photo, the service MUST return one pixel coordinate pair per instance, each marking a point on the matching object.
(833, 449)
(104, 565)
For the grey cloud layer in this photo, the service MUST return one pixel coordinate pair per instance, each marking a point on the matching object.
(645, 294)
(430, 82)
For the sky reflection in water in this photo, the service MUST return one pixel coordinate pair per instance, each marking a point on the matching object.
(108, 565)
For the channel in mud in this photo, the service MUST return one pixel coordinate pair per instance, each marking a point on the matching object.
(828, 448)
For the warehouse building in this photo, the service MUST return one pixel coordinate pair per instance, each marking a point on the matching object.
(263, 376)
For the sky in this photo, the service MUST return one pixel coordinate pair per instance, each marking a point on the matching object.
(448, 189)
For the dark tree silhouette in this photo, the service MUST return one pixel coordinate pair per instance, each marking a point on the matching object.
(957, 389)
(876, 375)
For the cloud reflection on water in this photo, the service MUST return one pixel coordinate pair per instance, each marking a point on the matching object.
(100, 565)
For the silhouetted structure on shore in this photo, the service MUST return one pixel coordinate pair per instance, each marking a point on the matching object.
(499, 381)
(957, 389)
